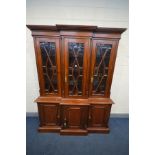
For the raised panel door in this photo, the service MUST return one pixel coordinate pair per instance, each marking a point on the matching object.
(74, 117)
(49, 114)
(99, 115)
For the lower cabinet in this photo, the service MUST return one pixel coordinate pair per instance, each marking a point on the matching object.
(99, 117)
(49, 115)
(74, 119)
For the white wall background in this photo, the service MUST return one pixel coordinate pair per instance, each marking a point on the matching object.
(105, 13)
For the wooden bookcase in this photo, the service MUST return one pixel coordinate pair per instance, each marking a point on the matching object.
(75, 67)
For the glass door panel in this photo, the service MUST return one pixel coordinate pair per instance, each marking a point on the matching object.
(50, 65)
(76, 63)
(101, 55)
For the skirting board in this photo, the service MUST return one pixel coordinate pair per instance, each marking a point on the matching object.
(118, 115)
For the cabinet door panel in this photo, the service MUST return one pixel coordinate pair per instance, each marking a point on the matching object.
(76, 60)
(74, 117)
(102, 62)
(99, 115)
(49, 114)
(48, 62)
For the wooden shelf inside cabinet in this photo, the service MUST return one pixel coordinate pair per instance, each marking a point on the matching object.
(75, 65)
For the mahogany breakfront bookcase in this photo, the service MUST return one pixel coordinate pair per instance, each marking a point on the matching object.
(75, 67)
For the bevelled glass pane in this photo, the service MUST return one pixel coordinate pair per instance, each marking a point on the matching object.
(76, 53)
(48, 55)
(101, 67)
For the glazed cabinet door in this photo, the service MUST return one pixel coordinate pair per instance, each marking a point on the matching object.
(76, 63)
(48, 64)
(99, 115)
(102, 66)
(74, 117)
(49, 114)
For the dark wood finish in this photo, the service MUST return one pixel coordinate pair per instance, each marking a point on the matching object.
(49, 114)
(110, 66)
(71, 101)
(49, 129)
(76, 132)
(40, 64)
(74, 116)
(98, 130)
(80, 51)
(99, 115)
(75, 28)
(86, 49)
